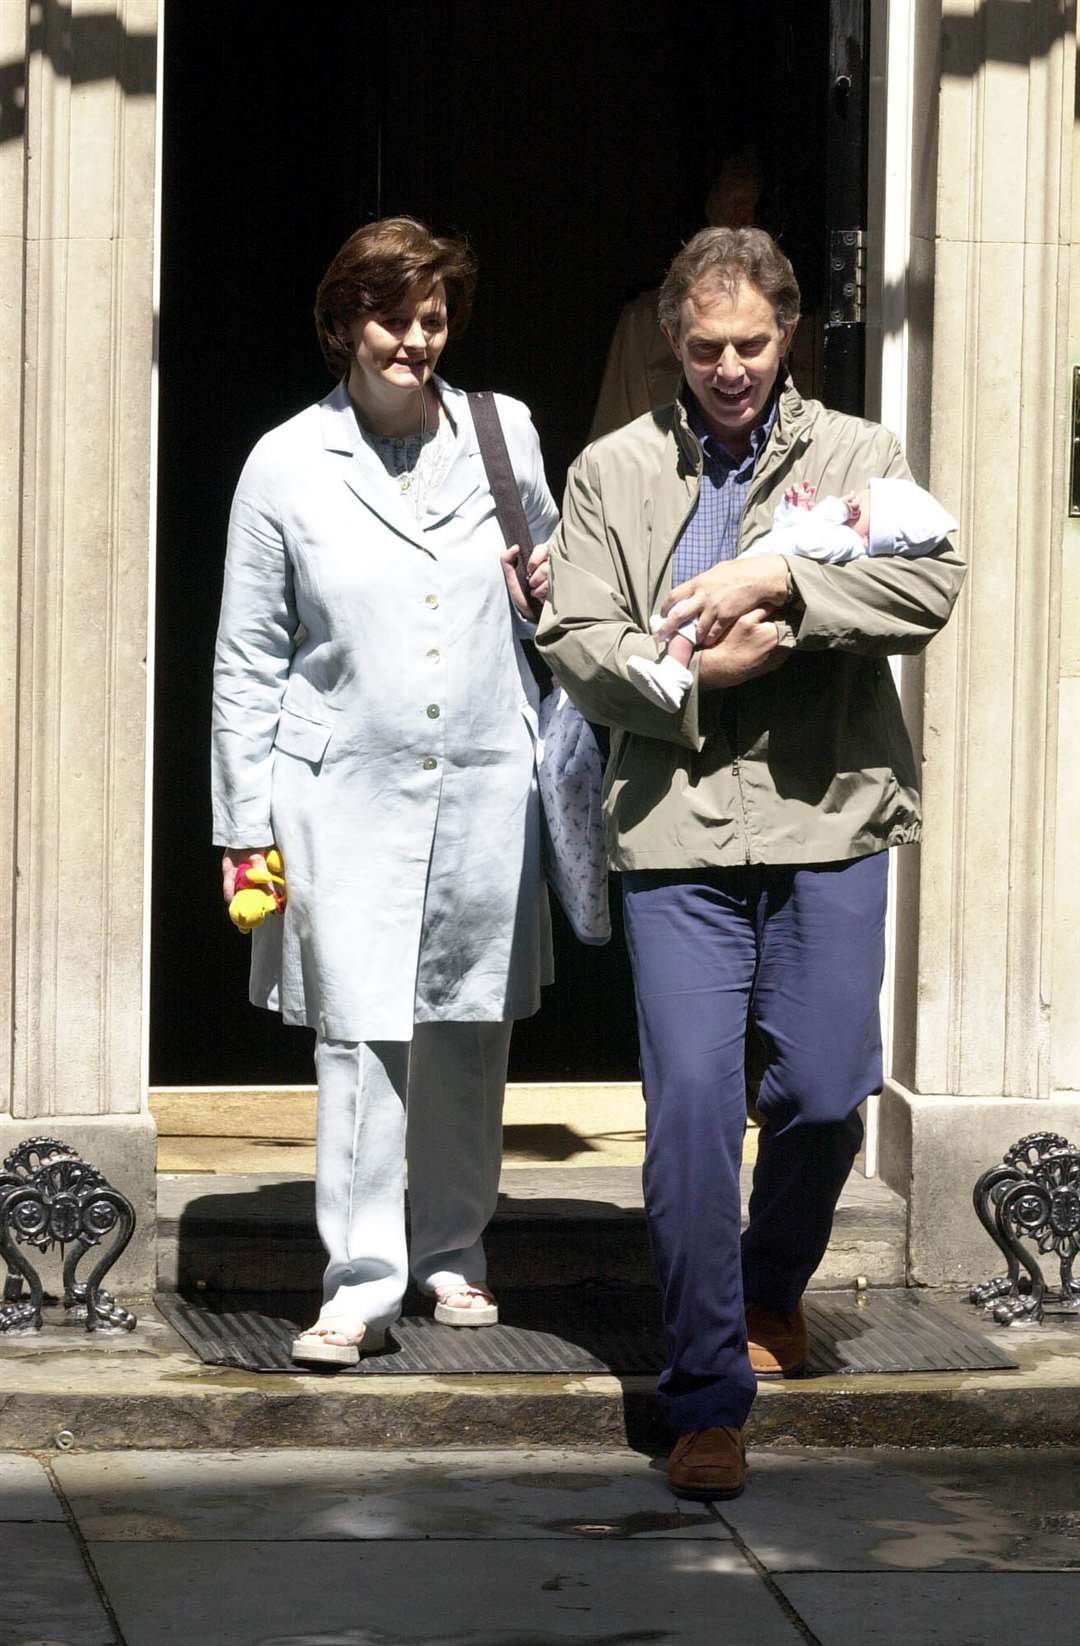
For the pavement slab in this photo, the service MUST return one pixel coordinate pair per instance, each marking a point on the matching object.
(936, 1608)
(353, 1547)
(439, 1594)
(25, 1490)
(878, 1511)
(332, 1495)
(47, 1597)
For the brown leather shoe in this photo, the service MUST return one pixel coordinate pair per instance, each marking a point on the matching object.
(777, 1342)
(707, 1464)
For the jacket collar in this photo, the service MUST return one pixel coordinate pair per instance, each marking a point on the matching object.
(341, 432)
(368, 480)
(792, 423)
(338, 422)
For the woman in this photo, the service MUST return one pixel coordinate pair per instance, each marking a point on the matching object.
(374, 717)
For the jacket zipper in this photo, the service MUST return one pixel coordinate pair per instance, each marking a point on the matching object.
(761, 478)
(736, 772)
(668, 572)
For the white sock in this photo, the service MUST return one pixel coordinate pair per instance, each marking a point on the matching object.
(665, 683)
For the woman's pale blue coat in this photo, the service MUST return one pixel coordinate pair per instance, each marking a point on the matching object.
(375, 716)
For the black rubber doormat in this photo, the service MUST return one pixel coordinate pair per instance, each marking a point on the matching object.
(576, 1330)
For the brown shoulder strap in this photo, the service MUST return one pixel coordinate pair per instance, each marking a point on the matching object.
(503, 483)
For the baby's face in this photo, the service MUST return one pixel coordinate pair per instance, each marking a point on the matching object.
(859, 514)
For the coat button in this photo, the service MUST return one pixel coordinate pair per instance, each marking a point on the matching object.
(433, 654)
(431, 600)
(433, 711)
(429, 764)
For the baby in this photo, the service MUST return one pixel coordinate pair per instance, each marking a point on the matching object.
(889, 517)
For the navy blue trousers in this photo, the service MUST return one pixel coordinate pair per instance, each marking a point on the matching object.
(799, 953)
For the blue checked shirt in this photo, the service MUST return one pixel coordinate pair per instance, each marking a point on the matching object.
(712, 531)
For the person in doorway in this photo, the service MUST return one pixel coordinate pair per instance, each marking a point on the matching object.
(375, 719)
(752, 827)
(889, 517)
(640, 373)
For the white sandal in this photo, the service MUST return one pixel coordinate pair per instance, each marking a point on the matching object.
(446, 1315)
(313, 1346)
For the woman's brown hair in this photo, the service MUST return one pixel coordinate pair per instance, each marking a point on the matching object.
(377, 266)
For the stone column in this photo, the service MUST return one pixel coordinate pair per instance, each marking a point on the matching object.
(77, 236)
(987, 1045)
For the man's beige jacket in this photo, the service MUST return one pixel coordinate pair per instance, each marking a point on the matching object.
(809, 764)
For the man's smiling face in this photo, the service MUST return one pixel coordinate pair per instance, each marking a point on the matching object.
(731, 349)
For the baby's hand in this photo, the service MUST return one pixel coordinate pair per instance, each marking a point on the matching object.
(801, 495)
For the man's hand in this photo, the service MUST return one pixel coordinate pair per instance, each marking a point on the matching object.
(725, 592)
(751, 647)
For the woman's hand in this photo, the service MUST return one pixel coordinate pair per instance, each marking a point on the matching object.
(537, 573)
(725, 592)
(231, 861)
(750, 647)
(539, 577)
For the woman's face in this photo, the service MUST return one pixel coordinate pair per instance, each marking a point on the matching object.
(398, 350)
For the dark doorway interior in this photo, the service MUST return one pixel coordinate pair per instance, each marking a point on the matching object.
(574, 142)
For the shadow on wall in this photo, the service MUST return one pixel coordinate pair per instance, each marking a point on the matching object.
(1020, 35)
(81, 50)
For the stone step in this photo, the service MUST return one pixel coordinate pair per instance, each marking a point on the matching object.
(62, 1388)
(553, 1227)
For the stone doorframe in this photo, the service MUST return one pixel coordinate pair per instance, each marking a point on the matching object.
(77, 190)
(986, 1018)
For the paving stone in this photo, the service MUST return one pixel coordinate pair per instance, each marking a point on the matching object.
(875, 1511)
(678, 1593)
(330, 1495)
(46, 1596)
(25, 1491)
(935, 1608)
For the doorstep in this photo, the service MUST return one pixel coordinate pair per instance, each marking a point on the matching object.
(64, 1389)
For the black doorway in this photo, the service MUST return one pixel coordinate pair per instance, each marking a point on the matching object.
(574, 143)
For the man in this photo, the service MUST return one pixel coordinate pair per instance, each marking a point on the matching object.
(751, 827)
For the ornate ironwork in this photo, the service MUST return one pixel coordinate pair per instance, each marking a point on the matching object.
(51, 1198)
(1032, 1196)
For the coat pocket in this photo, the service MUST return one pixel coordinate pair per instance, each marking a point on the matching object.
(297, 735)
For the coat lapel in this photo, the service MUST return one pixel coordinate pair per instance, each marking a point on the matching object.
(462, 478)
(364, 474)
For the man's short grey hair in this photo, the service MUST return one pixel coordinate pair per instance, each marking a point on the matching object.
(724, 258)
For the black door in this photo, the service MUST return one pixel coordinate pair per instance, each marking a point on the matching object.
(575, 143)
(846, 150)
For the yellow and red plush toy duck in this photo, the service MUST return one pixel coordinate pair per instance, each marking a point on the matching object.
(260, 890)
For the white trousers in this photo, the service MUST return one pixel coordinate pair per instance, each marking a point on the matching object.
(436, 1101)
